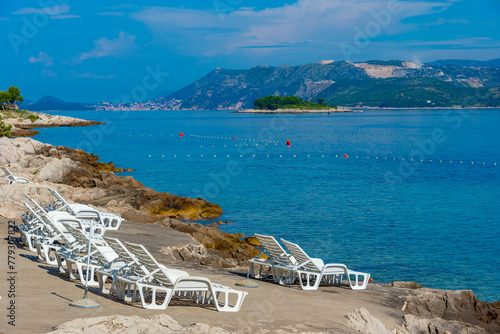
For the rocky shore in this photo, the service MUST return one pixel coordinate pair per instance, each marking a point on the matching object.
(22, 125)
(80, 177)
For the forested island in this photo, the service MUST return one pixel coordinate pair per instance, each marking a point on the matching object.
(272, 102)
(291, 104)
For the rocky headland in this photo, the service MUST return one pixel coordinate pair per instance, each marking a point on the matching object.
(23, 122)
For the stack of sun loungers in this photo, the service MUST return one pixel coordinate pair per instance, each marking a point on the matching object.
(285, 267)
(60, 232)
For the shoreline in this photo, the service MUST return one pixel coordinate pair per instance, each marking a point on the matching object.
(293, 111)
(23, 126)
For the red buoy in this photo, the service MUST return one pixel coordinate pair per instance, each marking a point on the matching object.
(288, 143)
(181, 134)
(234, 138)
(346, 156)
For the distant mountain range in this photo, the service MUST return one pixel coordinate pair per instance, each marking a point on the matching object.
(48, 103)
(368, 84)
(397, 84)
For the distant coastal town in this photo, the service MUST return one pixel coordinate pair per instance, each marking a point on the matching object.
(159, 104)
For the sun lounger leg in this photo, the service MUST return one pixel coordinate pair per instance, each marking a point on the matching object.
(358, 285)
(44, 253)
(222, 299)
(155, 290)
(101, 278)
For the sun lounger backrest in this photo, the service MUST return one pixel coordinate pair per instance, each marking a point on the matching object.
(7, 174)
(61, 202)
(149, 262)
(36, 218)
(77, 234)
(58, 228)
(100, 253)
(274, 249)
(305, 262)
(125, 255)
(35, 203)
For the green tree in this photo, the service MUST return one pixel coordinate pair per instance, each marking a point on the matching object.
(5, 129)
(15, 94)
(4, 98)
(320, 101)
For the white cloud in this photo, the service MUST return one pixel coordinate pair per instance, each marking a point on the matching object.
(321, 24)
(442, 21)
(111, 14)
(104, 47)
(42, 58)
(49, 73)
(90, 75)
(66, 16)
(53, 10)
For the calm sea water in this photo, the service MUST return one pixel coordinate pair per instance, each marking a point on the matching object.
(381, 210)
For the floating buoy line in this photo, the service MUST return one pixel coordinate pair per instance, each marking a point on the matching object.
(250, 142)
(322, 156)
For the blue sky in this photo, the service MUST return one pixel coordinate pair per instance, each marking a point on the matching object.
(93, 51)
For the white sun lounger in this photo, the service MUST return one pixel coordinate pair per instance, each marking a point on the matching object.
(169, 282)
(38, 226)
(100, 255)
(108, 220)
(81, 223)
(59, 238)
(11, 178)
(312, 271)
(131, 271)
(33, 228)
(277, 255)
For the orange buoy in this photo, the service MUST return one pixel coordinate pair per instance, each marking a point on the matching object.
(288, 143)
(346, 156)
(181, 134)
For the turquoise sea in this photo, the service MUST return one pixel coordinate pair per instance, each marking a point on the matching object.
(380, 210)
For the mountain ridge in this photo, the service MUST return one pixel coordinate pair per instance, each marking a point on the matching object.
(372, 83)
(396, 83)
(48, 103)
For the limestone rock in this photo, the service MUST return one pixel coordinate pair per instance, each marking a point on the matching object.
(418, 325)
(11, 150)
(252, 241)
(118, 324)
(226, 250)
(459, 305)
(59, 170)
(361, 320)
(406, 285)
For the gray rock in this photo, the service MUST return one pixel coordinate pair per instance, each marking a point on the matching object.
(406, 285)
(56, 170)
(11, 150)
(361, 320)
(118, 324)
(459, 305)
(418, 325)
